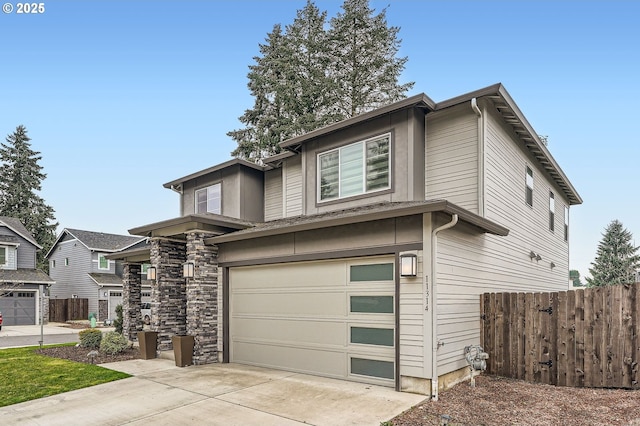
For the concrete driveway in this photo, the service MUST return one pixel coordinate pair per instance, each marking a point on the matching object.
(219, 394)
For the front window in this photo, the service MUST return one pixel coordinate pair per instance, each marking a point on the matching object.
(209, 199)
(103, 263)
(355, 169)
(3, 255)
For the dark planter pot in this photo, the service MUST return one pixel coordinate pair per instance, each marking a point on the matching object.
(183, 350)
(148, 341)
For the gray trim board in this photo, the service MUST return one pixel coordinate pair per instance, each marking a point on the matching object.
(371, 251)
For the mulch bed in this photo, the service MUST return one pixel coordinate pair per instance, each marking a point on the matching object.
(79, 354)
(501, 401)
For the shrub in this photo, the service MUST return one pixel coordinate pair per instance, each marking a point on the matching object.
(90, 338)
(117, 323)
(113, 343)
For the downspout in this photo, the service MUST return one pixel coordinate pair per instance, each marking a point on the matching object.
(476, 109)
(434, 305)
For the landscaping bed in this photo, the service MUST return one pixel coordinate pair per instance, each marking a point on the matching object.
(501, 401)
(79, 354)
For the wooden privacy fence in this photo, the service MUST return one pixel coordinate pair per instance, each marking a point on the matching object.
(582, 338)
(61, 310)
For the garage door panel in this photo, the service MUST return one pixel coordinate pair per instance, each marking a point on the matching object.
(316, 318)
(287, 276)
(319, 304)
(18, 308)
(291, 331)
(323, 361)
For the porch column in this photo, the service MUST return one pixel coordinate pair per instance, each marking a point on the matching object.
(131, 298)
(202, 298)
(168, 293)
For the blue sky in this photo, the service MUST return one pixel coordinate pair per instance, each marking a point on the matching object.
(123, 96)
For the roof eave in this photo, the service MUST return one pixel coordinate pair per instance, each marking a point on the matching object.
(434, 206)
(420, 100)
(232, 162)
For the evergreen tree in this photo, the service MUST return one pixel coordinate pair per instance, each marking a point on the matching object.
(20, 178)
(574, 277)
(616, 258)
(365, 63)
(308, 76)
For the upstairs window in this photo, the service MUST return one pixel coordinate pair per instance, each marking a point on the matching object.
(3, 255)
(566, 223)
(66, 261)
(528, 192)
(53, 263)
(103, 263)
(209, 199)
(552, 209)
(355, 169)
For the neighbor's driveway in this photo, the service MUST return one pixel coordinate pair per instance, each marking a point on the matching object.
(217, 394)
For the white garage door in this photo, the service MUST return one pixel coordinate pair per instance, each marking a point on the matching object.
(328, 318)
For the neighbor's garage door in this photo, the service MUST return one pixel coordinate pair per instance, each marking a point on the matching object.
(329, 318)
(18, 308)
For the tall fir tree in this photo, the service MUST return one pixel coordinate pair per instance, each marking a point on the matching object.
(616, 259)
(308, 76)
(20, 180)
(365, 63)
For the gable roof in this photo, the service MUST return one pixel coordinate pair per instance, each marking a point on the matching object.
(16, 226)
(98, 241)
(26, 276)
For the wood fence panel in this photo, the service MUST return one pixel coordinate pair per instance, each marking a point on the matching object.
(530, 341)
(582, 338)
(580, 347)
(58, 310)
(563, 341)
(519, 336)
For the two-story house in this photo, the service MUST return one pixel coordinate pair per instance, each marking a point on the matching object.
(361, 250)
(78, 263)
(23, 288)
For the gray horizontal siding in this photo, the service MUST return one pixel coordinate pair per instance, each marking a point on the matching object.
(292, 184)
(452, 158)
(26, 256)
(273, 194)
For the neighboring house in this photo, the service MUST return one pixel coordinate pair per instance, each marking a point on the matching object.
(22, 286)
(78, 264)
(360, 252)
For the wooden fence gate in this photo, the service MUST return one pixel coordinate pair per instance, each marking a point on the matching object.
(62, 310)
(582, 338)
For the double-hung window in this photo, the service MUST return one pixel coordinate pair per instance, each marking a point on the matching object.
(528, 192)
(355, 169)
(3, 256)
(209, 199)
(103, 262)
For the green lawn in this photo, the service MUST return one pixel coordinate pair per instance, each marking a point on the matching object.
(25, 375)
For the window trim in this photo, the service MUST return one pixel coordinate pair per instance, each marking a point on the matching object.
(206, 188)
(528, 189)
(552, 212)
(364, 193)
(5, 249)
(566, 223)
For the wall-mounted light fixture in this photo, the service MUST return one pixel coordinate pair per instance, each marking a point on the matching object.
(188, 270)
(408, 265)
(105, 294)
(151, 273)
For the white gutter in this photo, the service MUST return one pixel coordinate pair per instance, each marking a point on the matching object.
(435, 344)
(476, 109)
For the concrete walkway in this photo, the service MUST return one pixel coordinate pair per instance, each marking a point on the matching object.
(218, 394)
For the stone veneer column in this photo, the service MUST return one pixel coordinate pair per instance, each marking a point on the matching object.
(168, 293)
(131, 299)
(202, 298)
